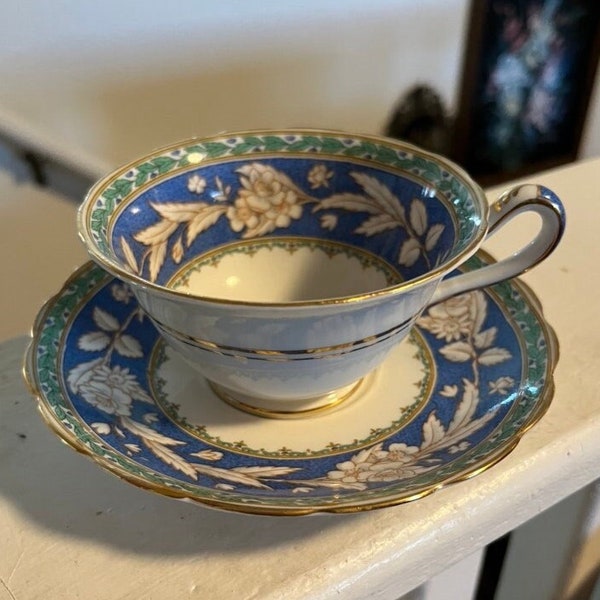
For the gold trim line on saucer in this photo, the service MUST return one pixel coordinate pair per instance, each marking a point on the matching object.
(268, 413)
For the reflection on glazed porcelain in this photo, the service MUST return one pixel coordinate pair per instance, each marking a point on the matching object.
(473, 376)
(286, 265)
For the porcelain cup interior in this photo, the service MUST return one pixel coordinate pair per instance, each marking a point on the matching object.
(284, 265)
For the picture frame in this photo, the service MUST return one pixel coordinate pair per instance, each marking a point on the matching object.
(529, 68)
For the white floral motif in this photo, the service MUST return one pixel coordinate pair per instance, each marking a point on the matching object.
(212, 455)
(449, 391)
(268, 199)
(319, 176)
(378, 465)
(501, 385)
(121, 292)
(459, 321)
(196, 184)
(354, 470)
(387, 212)
(461, 447)
(450, 320)
(101, 428)
(111, 389)
(329, 221)
(150, 418)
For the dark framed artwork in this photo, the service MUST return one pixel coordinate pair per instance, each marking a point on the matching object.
(528, 73)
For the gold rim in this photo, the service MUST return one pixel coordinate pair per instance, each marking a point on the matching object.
(268, 413)
(116, 269)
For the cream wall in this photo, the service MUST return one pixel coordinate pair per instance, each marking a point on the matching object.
(115, 78)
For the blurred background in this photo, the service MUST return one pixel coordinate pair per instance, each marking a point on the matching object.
(103, 82)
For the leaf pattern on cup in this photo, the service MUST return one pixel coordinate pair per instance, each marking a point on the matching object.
(267, 199)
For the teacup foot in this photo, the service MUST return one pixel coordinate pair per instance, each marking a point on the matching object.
(296, 409)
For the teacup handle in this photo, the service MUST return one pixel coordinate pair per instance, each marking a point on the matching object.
(517, 200)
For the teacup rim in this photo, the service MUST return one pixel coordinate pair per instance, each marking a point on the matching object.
(115, 267)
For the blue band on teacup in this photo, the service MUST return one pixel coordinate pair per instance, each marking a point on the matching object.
(284, 355)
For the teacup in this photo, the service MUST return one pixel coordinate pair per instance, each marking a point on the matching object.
(284, 265)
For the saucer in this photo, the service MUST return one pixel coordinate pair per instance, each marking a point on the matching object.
(450, 401)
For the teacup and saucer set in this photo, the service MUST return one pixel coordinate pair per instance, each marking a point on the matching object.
(300, 321)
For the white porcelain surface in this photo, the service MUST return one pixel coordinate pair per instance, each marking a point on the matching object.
(290, 271)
